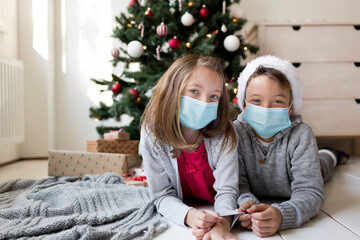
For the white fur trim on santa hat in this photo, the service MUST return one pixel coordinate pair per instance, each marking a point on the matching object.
(283, 66)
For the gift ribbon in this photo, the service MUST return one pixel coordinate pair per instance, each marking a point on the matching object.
(128, 177)
(118, 131)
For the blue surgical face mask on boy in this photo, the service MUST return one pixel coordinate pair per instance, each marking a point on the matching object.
(195, 114)
(266, 121)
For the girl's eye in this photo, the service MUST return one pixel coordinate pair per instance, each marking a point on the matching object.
(215, 97)
(194, 91)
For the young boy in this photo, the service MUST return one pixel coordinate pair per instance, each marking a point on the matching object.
(278, 155)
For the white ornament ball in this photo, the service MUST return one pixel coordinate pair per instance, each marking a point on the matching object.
(231, 43)
(187, 19)
(135, 49)
(237, 13)
(223, 28)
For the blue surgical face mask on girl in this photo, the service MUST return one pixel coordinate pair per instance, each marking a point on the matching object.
(266, 121)
(195, 114)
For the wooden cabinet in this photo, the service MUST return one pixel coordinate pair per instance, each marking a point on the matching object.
(328, 60)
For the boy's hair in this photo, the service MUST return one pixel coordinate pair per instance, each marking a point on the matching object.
(273, 74)
(160, 114)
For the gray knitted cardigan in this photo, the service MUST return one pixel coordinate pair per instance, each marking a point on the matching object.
(95, 207)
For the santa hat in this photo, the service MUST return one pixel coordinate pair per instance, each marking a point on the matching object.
(283, 66)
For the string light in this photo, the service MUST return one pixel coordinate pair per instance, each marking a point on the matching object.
(96, 119)
(190, 4)
(235, 20)
(147, 11)
(208, 35)
(226, 84)
(144, 47)
(129, 25)
(138, 100)
(235, 90)
(245, 48)
(188, 45)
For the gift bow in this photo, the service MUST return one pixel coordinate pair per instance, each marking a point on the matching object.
(128, 177)
(117, 131)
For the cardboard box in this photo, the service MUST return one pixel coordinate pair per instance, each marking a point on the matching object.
(113, 146)
(74, 163)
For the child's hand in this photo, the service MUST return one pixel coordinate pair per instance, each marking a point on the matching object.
(245, 219)
(266, 220)
(201, 221)
(221, 231)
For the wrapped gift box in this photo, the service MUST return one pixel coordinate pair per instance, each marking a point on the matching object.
(136, 181)
(113, 146)
(73, 163)
(137, 171)
(120, 134)
(142, 183)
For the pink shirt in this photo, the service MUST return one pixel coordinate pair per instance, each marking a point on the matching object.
(196, 176)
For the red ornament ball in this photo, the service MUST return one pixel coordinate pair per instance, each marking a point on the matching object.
(162, 30)
(132, 2)
(235, 100)
(116, 88)
(204, 12)
(174, 43)
(135, 93)
(115, 52)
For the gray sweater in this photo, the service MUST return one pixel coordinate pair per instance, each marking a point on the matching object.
(291, 171)
(163, 177)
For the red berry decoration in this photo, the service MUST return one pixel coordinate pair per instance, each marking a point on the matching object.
(134, 93)
(132, 2)
(204, 12)
(174, 43)
(162, 30)
(116, 88)
(115, 52)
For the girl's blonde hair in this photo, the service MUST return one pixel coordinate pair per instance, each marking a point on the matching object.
(160, 114)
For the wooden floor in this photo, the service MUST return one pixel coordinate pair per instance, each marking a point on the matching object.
(338, 219)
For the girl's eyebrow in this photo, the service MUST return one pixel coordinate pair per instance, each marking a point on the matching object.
(201, 86)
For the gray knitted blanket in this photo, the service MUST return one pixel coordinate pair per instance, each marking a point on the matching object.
(95, 207)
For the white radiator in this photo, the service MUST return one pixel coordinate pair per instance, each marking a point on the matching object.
(11, 101)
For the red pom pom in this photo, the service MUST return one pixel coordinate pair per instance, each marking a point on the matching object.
(134, 93)
(116, 88)
(174, 43)
(204, 12)
(162, 30)
(133, 2)
(115, 52)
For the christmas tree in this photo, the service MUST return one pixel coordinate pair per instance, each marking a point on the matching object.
(154, 33)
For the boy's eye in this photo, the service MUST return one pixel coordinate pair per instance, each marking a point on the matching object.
(278, 101)
(255, 101)
(194, 91)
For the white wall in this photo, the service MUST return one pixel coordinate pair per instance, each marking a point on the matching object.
(87, 44)
(58, 96)
(8, 48)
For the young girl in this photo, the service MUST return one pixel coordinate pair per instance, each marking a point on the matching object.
(278, 150)
(188, 146)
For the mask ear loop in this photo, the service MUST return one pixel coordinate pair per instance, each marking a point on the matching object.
(290, 105)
